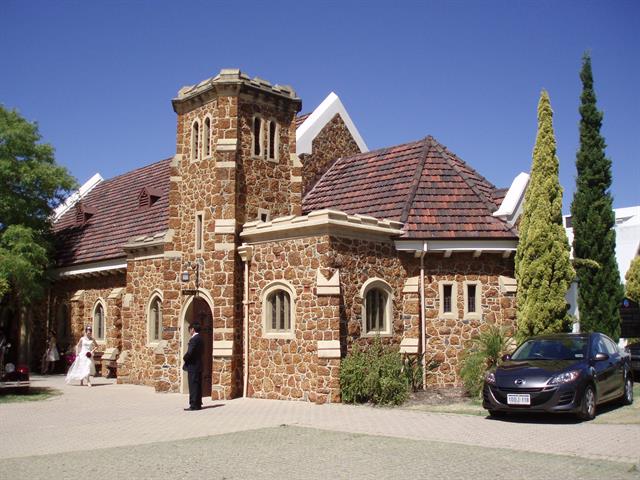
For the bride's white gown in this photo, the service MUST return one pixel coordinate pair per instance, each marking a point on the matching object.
(83, 366)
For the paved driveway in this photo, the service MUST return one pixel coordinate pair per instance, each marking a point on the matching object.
(108, 415)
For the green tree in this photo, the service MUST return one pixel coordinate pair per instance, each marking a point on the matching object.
(633, 280)
(600, 291)
(31, 186)
(543, 268)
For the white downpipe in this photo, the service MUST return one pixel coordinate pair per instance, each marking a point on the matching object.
(245, 304)
(423, 332)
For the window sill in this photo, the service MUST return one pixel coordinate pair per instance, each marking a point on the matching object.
(283, 335)
(377, 334)
(448, 316)
(472, 316)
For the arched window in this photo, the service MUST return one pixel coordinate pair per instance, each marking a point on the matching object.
(256, 134)
(195, 141)
(377, 307)
(272, 149)
(206, 138)
(278, 307)
(154, 318)
(99, 321)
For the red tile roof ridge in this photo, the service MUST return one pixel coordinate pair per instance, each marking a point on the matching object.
(415, 181)
(447, 157)
(136, 170)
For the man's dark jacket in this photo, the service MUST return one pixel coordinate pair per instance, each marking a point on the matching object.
(193, 357)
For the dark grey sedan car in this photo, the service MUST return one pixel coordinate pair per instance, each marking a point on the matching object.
(560, 373)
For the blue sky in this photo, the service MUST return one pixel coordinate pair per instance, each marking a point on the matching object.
(99, 76)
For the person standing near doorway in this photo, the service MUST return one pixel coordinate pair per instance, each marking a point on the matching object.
(193, 366)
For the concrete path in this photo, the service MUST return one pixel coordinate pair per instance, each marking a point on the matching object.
(109, 415)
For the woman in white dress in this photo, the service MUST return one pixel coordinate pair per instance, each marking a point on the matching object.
(83, 367)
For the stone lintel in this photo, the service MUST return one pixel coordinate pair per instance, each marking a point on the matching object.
(227, 145)
(116, 293)
(224, 226)
(507, 284)
(173, 255)
(409, 345)
(76, 296)
(175, 161)
(222, 348)
(224, 246)
(175, 179)
(412, 285)
(328, 348)
(327, 287)
(226, 164)
(295, 160)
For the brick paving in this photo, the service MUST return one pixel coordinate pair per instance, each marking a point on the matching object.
(109, 415)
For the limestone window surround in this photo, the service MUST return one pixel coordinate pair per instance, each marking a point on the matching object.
(195, 140)
(448, 299)
(257, 134)
(199, 232)
(206, 137)
(154, 319)
(472, 291)
(100, 321)
(377, 308)
(279, 299)
(272, 141)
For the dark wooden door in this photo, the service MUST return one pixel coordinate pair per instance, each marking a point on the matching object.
(202, 315)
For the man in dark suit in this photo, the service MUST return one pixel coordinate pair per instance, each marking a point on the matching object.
(193, 366)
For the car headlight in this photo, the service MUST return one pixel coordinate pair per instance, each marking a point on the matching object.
(566, 377)
(490, 378)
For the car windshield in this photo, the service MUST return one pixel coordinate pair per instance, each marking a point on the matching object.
(552, 349)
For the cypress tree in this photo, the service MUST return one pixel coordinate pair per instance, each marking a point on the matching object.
(599, 289)
(543, 267)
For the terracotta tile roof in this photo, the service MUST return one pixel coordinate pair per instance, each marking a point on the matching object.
(301, 118)
(422, 184)
(117, 218)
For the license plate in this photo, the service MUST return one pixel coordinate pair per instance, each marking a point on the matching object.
(519, 399)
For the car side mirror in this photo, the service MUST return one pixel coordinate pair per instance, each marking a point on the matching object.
(600, 357)
(506, 357)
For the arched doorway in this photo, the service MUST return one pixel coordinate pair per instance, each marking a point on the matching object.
(199, 311)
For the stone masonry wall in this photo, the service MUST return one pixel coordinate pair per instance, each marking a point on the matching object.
(144, 358)
(446, 337)
(333, 141)
(81, 309)
(290, 368)
(263, 183)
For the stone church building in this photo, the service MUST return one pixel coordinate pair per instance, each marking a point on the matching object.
(289, 242)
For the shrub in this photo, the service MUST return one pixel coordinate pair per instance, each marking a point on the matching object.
(374, 375)
(484, 352)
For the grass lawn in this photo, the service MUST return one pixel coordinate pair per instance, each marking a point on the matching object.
(609, 414)
(33, 394)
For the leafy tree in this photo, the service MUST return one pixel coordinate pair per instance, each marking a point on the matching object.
(633, 280)
(600, 291)
(31, 186)
(543, 268)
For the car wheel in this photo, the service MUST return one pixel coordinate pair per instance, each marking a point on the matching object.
(627, 396)
(588, 407)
